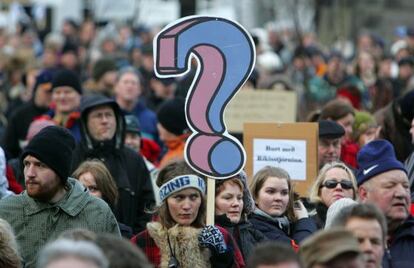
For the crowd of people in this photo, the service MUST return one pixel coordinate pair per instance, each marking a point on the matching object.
(92, 170)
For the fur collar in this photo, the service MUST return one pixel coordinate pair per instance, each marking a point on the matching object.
(184, 244)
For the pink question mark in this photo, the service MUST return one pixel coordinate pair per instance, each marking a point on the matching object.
(225, 55)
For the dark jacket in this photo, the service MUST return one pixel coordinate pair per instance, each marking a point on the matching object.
(17, 127)
(401, 247)
(243, 232)
(147, 121)
(320, 216)
(395, 129)
(126, 166)
(299, 230)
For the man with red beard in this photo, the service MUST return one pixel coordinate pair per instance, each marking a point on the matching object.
(52, 202)
(383, 181)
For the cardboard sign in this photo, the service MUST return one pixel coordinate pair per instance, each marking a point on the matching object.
(291, 146)
(225, 57)
(261, 105)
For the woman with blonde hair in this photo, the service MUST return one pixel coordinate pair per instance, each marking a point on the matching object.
(335, 181)
(277, 215)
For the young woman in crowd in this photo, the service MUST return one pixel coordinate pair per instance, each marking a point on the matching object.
(94, 175)
(335, 181)
(180, 237)
(276, 215)
(233, 203)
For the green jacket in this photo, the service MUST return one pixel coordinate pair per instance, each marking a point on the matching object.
(35, 223)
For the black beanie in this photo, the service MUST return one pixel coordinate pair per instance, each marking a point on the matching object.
(52, 146)
(171, 116)
(67, 78)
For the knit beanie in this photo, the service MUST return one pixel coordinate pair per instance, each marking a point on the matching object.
(374, 158)
(67, 78)
(336, 208)
(171, 116)
(363, 122)
(52, 146)
(44, 80)
(101, 67)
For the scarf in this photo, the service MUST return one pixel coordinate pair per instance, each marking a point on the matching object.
(281, 221)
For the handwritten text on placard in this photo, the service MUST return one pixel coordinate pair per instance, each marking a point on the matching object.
(287, 154)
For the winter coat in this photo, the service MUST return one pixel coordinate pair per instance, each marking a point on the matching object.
(319, 215)
(35, 222)
(409, 166)
(175, 150)
(395, 129)
(147, 121)
(401, 247)
(297, 232)
(243, 232)
(185, 246)
(72, 123)
(4, 183)
(126, 167)
(17, 127)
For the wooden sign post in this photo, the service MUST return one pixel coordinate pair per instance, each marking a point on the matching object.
(291, 146)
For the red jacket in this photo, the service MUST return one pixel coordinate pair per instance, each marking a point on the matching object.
(349, 151)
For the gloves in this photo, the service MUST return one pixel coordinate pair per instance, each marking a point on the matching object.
(211, 237)
(300, 210)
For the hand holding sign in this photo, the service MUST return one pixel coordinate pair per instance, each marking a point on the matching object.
(225, 55)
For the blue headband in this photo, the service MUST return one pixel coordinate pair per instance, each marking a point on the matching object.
(180, 183)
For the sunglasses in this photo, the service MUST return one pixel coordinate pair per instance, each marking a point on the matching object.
(331, 184)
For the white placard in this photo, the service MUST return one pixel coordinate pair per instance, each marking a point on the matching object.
(287, 154)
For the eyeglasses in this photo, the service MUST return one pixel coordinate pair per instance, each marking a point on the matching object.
(331, 184)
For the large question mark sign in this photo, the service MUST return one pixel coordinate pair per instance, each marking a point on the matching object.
(225, 55)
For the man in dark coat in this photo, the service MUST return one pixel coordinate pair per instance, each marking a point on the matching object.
(103, 135)
(20, 120)
(383, 181)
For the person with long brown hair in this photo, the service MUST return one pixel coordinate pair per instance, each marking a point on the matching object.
(277, 215)
(180, 237)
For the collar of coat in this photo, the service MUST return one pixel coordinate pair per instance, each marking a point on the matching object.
(72, 203)
(184, 245)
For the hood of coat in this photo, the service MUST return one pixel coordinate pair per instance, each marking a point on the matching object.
(90, 102)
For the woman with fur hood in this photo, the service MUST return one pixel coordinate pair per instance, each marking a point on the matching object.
(180, 237)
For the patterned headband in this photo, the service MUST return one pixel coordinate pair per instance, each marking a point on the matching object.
(180, 183)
